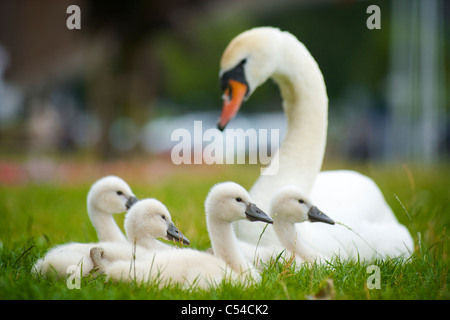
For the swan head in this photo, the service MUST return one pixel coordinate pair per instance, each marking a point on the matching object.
(230, 202)
(290, 204)
(111, 195)
(149, 218)
(248, 61)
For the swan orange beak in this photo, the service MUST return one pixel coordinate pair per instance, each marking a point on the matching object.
(232, 99)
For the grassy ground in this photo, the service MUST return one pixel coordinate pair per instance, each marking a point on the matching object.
(35, 217)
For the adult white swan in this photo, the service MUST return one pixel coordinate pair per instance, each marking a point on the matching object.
(262, 53)
(225, 203)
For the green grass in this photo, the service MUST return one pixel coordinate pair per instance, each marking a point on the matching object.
(35, 217)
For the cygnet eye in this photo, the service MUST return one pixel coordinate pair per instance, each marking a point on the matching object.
(120, 193)
(301, 201)
(163, 216)
(238, 199)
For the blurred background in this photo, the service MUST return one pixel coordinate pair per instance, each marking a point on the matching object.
(115, 89)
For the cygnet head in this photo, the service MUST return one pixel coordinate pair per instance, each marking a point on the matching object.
(230, 202)
(290, 204)
(110, 195)
(249, 60)
(149, 218)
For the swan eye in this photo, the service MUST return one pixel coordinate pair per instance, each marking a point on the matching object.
(238, 199)
(120, 193)
(164, 217)
(237, 74)
(301, 201)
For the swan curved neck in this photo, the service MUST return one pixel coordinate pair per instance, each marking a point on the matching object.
(105, 225)
(289, 237)
(224, 244)
(150, 243)
(305, 104)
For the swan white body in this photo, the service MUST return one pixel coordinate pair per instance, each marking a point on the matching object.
(226, 202)
(106, 197)
(249, 60)
(376, 231)
(56, 262)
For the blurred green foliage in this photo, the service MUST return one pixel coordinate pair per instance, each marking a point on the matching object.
(336, 35)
